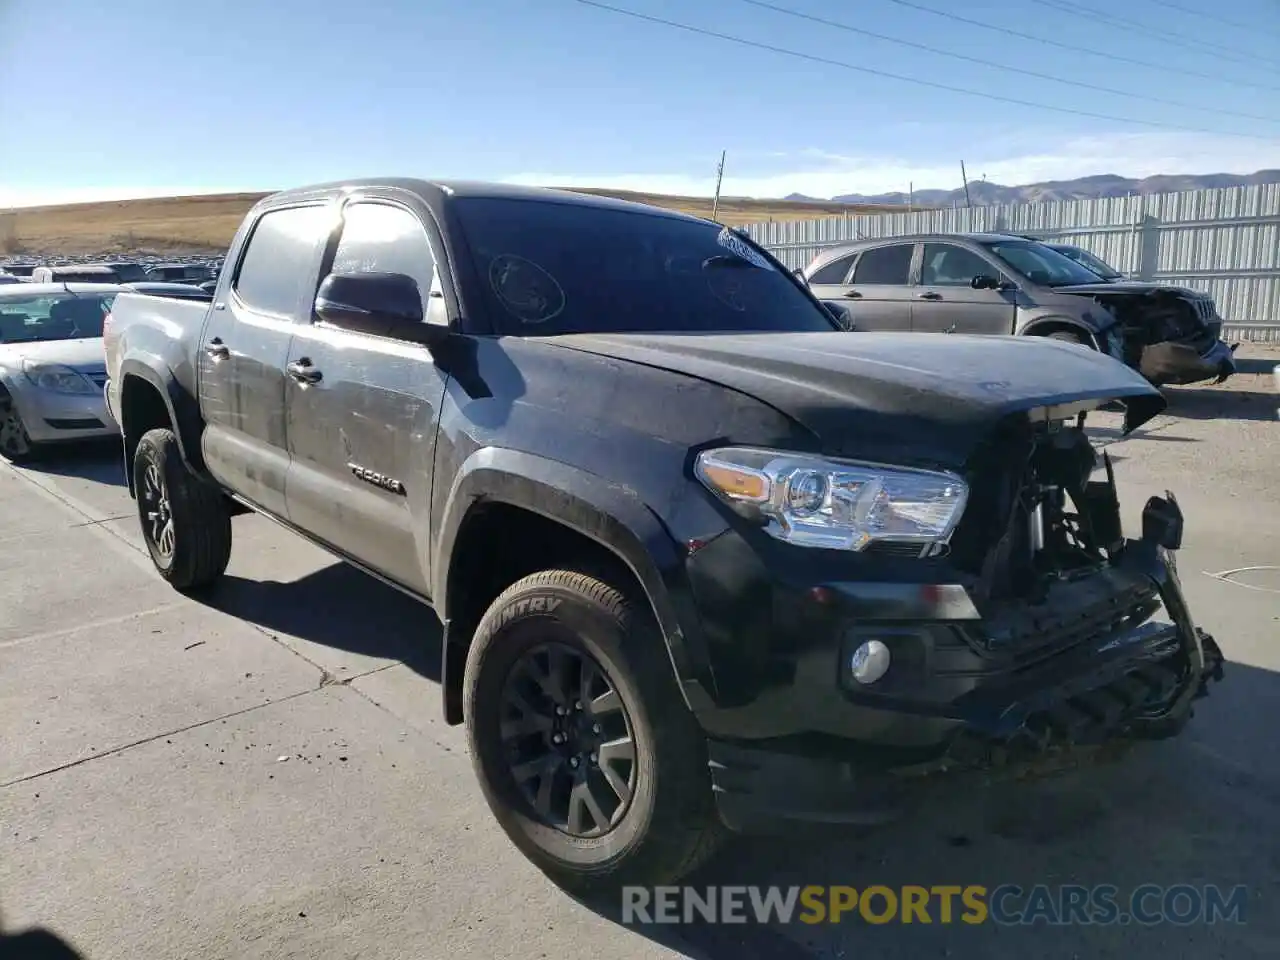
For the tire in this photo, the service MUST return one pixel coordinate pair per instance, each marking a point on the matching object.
(15, 444)
(670, 825)
(1066, 336)
(195, 549)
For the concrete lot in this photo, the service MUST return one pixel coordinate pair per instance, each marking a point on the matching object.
(266, 774)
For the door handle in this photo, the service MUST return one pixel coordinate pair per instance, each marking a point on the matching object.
(930, 296)
(853, 294)
(302, 371)
(216, 348)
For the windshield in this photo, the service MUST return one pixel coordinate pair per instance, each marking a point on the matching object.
(557, 268)
(51, 317)
(1040, 263)
(1087, 259)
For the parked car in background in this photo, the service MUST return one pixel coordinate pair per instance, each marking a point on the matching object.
(75, 273)
(180, 272)
(1006, 285)
(19, 270)
(702, 559)
(9, 278)
(127, 271)
(51, 365)
(180, 291)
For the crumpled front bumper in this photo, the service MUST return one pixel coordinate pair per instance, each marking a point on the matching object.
(1137, 682)
(1172, 363)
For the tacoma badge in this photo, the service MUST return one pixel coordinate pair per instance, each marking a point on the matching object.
(377, 479)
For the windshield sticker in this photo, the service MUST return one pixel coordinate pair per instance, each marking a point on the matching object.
(739, 248)
(526, 290)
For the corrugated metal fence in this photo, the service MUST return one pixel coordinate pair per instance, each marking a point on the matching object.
(1226, 241)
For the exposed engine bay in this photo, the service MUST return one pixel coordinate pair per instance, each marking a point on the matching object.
(1169, 334)
(1037, 517)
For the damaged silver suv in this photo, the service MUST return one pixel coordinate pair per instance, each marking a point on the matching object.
(997, 284)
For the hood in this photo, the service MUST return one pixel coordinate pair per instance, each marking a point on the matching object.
(911, 398)
(83, 355)
(1138, 288)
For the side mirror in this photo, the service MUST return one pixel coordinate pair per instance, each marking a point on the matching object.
(840, 313)
(380, 304)
(984, 281)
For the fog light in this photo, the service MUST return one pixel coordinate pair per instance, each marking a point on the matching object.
(869, 662)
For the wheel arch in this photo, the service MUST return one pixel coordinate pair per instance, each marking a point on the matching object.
(510, 493)
(149, 399)
(1043, 326)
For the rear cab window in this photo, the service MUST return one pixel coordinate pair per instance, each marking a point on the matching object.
(279, 262)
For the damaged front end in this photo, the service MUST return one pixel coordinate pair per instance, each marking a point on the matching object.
(1171, 335)
(1067, 604)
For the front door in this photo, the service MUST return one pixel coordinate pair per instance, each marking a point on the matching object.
(244, 350)
(363, 409)
(945, 300)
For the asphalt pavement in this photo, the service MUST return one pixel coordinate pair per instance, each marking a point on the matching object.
(266, 774)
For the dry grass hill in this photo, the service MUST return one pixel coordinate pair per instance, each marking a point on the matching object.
(205, 224)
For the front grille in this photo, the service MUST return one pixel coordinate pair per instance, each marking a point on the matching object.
(1074, 613)
(884, 548)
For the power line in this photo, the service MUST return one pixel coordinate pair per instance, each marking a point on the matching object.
(983, 62)
(1075, 48)
(858, 68)
(1176, 39)
(1215, 17)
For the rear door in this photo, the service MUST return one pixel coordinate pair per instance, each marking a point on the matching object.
(945, 300)
(245, 347)
(878, 292)
(363, 409)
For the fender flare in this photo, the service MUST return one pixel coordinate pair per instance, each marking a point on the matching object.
(182, 407)
(607, 513)
(1032, 329)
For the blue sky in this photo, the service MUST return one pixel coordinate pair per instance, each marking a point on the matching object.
(138, 97)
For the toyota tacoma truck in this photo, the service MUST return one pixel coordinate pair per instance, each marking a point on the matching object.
(702, 560)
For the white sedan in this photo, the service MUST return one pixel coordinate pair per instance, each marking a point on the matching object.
(51, 365)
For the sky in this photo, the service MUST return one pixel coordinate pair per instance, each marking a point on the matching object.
(132, 98)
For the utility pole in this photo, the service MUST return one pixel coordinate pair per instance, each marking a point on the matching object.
(911, 196)
(715, 202)
(965, 180)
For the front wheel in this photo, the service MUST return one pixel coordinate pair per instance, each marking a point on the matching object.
(15, 444)
(586, 753)
(185, 521)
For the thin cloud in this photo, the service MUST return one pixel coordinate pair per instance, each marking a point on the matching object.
(819, 173)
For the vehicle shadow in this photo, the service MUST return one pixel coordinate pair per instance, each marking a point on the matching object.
(1207, 403)
(339, 607)
(1199, 809)
(36, 943)
(97, 460)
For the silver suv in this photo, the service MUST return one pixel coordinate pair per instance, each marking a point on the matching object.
(995, 284)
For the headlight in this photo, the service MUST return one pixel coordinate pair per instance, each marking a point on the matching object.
(57, 377)
(840, 505)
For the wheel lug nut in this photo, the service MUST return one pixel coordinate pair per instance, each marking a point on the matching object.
(577, 704)
(557, 738)
(561, 711)
(594, 759)
(595, 728)
(573, 762)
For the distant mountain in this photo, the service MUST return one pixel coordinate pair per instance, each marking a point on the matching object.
(984, 194)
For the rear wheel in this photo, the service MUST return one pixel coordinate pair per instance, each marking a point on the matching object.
(586, 753)
(15, 444)
(185, 521)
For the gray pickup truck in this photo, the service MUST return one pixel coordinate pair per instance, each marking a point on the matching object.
(702, 560)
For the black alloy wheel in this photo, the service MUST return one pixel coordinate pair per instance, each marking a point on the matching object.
(571, 749)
